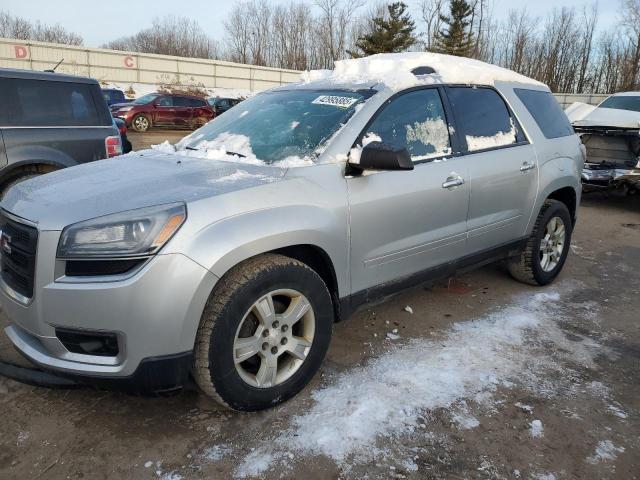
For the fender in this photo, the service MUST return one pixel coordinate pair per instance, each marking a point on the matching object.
(227, 242)
(554, 174)
(36, 155)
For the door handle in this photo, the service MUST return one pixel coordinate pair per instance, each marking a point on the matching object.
(453, 180)
(527, 166)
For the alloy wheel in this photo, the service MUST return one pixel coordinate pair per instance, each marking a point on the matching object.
(274, 338)
(552, 244)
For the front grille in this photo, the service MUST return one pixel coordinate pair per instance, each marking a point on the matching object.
(18, 255)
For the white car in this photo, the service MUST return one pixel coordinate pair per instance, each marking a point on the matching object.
(611, 135)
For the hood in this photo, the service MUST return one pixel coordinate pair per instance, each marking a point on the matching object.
(610, 117)
(115, 106)
(127, 182)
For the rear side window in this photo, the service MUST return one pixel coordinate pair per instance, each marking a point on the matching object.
(482, 118)
(416, 121)
(41, 103)
(181, 102)
(194, 102)
(546, 111)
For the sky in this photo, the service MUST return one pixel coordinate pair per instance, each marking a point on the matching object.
(116, 19)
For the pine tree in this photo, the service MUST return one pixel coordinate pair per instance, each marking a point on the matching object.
(456, 38)
(391, 35)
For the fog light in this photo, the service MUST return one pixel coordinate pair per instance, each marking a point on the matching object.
(88, 343)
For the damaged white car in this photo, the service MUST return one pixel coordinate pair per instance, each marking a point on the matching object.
(611, 134)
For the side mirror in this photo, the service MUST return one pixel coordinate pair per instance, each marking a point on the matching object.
(383, 156)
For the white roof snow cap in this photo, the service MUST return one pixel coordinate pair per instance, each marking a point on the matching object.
(395, 71)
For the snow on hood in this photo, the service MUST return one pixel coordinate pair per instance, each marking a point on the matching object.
(226, 147)
(394, 70)
(578, 111)
(127, 182)
(604, 117)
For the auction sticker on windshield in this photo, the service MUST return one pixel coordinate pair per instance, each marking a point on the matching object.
(335, 100)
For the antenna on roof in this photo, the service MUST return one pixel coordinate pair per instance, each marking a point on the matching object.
(53, 70)
(423, 71)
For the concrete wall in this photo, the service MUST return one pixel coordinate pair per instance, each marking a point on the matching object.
(129, 67)
(566, 99)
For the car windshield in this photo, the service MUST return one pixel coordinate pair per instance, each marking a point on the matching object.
(622, 102)
(280, 125)
(150, 97)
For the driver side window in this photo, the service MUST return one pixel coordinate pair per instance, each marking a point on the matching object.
(416, 121)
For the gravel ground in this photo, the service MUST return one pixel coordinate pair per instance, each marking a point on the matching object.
(487, 379)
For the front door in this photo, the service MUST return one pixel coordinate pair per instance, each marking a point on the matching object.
(405, 222)
(165, 111)
(503, 173)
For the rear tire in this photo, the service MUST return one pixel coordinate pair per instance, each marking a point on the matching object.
(263, 334)
(547, 248)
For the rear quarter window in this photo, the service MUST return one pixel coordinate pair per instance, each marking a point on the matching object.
(41, 103)
(546, 111)
(482, 118)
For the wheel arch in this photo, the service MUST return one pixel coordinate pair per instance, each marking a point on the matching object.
(39, 166)
(569, 197)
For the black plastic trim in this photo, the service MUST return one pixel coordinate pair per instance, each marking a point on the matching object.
(162, 374)
(353, 302)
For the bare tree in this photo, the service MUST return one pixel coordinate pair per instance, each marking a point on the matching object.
(20, 28)
(170, 35)
(431, 11)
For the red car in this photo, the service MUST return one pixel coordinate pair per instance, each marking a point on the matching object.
(166, 110)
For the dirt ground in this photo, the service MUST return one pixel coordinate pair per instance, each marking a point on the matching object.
(568, 408)
(155, 136)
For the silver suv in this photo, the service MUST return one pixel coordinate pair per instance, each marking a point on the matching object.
(229, 256)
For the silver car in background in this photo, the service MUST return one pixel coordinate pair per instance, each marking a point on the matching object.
(230, 255)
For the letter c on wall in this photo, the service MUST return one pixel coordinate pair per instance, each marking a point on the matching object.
(129, 62)
(21, 51)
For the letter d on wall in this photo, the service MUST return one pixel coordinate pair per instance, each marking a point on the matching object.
(21, 51)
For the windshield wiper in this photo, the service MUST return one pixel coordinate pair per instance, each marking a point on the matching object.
(236, 154)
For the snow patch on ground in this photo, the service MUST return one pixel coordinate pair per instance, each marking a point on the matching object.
(605, 451)
(536, 429)
(506, 348)
(394, 70)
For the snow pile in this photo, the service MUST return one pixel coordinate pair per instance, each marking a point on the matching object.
(394, 70)
(472, 362)
(605, 451)
(141, 89)
(228, 147)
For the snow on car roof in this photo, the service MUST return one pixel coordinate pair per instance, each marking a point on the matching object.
(394, 71)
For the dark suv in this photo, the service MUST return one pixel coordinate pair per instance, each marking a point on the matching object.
(166, 110)
(221, 105)
(50, 121)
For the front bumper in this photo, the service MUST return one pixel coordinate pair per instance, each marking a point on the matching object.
(154, 313)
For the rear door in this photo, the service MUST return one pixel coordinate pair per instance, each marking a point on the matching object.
(60, 121)
(502, 167)
(405, 222)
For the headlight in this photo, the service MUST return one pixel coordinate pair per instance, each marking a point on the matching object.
(127, 234)
(124, 109)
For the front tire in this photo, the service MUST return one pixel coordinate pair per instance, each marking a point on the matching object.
(547, 248)
(141, 123)
(264, 333)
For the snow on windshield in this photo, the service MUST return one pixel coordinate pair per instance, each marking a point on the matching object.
(497, 140)
(394, 70)
(229, 147)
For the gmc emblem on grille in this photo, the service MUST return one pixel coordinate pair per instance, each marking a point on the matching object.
(5, 243)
